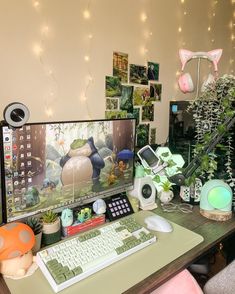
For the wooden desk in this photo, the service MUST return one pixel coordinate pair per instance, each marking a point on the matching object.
(213, 232)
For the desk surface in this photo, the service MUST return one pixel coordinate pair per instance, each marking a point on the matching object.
(212, 232)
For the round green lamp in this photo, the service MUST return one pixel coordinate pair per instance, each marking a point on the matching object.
(216, 200)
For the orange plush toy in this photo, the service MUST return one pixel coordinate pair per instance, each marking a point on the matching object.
(16, 242)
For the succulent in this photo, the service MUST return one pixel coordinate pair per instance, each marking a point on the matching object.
(166, 186)
(35, 224)
(49, 217)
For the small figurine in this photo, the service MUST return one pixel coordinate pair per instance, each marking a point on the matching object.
(67, 217)
(84, 214)
(16, 242)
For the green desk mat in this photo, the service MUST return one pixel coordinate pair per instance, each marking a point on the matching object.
(123, 274)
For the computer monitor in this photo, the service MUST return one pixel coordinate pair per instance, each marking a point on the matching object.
(64, 164)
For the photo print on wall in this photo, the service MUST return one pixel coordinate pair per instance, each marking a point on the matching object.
(112, 114)
(142, 135)
(141, 96)
(138, 74)
(155, 91)
(112, 86)
(120, 66)
(112, 103)
(152, 139)
(153, 71)
(148, 113)
(133, 101)
(126, 99)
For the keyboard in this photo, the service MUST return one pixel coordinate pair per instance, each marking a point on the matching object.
(80, 256)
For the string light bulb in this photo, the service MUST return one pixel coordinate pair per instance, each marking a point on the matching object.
(179, 29)
(87, 58)
(209, 29)
(143, 17)
(37, 49)
(49, 112)
(86, 14)
(90, 36)
(36, 4)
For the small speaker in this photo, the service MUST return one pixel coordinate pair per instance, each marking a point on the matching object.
(145, 191)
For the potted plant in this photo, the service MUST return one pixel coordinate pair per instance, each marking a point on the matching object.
(211, 110)
(51, 230)
(36, 225)
(166, 194)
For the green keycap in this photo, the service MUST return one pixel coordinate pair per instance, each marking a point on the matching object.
(59, 279)
(77, 270)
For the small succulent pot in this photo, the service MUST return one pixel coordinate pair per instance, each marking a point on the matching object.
(51, 230)
(166, 194)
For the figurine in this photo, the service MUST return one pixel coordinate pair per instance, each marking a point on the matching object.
(16, 242)
(67, 217)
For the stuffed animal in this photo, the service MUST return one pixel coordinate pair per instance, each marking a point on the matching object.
(16, 242)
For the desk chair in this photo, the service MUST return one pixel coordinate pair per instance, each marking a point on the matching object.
(222, 282)
(183, 283)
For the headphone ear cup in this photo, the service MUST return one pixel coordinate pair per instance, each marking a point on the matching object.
(208, 81)
(186, 83)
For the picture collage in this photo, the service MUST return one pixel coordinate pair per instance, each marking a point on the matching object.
(132, 91)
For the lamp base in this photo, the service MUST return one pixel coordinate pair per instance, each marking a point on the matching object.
(216, 215)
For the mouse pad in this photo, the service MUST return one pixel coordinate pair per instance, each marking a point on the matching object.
(130, 270)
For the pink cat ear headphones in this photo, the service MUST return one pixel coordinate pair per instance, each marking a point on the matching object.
(185, 80)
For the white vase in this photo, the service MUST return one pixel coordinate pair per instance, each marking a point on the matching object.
(166, 196)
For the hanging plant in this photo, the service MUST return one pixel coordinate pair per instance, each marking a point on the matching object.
(213, 108)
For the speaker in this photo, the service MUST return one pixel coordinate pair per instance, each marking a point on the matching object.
(145, 191)
(16, 114)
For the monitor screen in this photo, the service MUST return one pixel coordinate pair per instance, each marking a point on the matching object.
(65, 164)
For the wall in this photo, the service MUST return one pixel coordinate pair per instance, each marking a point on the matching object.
(43, 45)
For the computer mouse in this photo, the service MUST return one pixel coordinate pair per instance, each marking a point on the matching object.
(158, 223)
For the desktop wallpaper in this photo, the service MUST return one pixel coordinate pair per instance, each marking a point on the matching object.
(57, 164)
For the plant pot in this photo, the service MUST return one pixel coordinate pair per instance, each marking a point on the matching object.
(51, 232)
(38, 240)
(166, 196)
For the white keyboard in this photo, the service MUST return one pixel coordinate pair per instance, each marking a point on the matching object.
(70, 261)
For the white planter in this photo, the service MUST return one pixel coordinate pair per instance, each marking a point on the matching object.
(50, 228)
(166, 196)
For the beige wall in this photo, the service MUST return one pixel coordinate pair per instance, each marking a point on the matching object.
(52, 84)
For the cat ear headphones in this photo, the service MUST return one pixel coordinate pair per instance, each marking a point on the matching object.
(185, 80)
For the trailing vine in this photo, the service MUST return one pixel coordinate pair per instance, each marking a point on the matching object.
(210, 111)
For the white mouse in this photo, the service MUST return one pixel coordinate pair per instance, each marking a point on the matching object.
(158, 223)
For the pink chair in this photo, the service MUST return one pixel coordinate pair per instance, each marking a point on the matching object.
(183, 283)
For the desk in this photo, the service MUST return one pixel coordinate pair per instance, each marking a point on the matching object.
(212, 232)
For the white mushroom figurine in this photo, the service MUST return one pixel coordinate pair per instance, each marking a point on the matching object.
(16, 242)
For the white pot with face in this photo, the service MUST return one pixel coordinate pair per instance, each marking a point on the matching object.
(166, 196)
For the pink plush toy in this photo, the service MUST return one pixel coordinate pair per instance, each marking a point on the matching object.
(16, 242)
